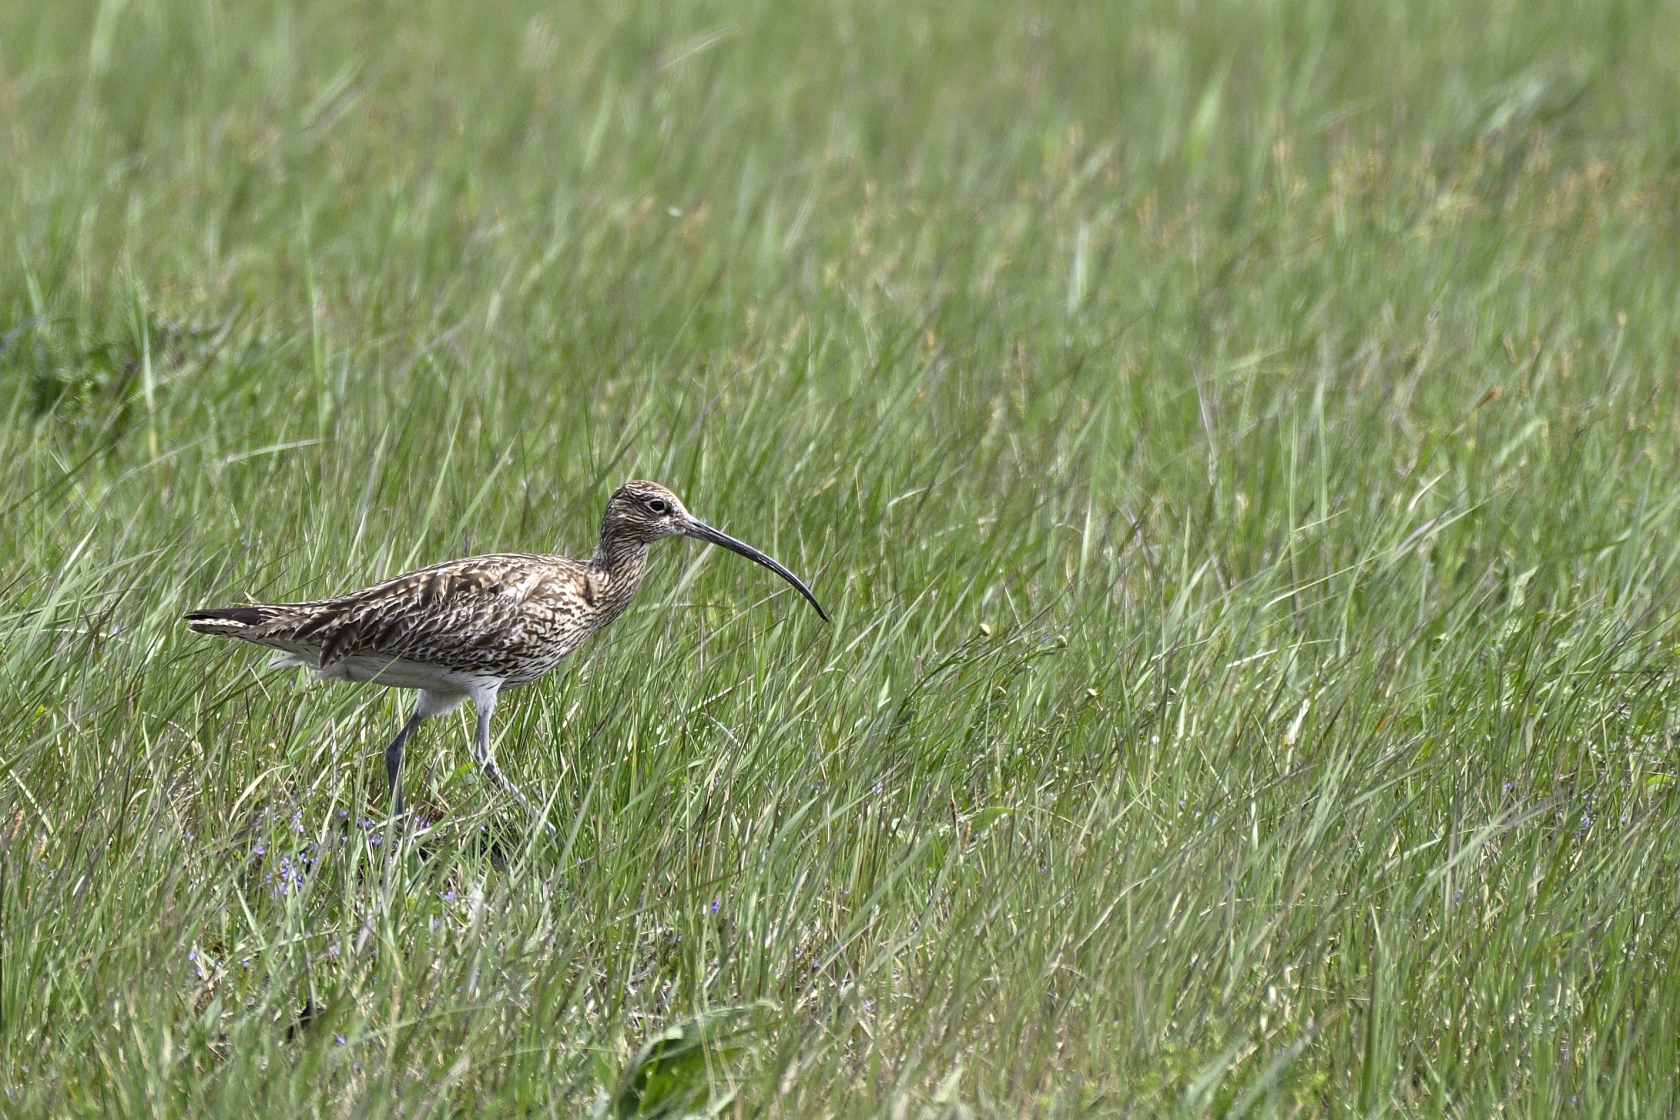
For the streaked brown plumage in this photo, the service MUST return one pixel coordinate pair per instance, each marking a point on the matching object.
(466, 629)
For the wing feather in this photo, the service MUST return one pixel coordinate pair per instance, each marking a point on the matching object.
(456, 614)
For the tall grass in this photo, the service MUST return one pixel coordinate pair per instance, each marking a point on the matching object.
(1236, 443)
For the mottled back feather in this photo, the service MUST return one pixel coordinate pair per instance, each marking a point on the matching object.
(506, 615)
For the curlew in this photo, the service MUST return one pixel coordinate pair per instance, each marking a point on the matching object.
(467, 629)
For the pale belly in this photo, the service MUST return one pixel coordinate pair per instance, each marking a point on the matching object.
(392, 672)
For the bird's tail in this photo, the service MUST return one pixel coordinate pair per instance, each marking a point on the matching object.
(229, 622)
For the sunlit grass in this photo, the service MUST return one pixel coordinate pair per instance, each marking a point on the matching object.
(1237, 447)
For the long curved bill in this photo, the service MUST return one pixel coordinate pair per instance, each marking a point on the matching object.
(702, 531)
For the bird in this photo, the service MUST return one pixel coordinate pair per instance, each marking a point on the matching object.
(468, 629)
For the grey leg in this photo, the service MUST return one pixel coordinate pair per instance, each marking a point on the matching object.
(481, 753)
(394, 761)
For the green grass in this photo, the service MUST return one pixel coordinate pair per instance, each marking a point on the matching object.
(1237, 444)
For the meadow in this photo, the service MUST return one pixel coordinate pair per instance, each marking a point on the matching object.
(1238, 445)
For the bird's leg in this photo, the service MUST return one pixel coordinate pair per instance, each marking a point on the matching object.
(394, 760)
(481, 751)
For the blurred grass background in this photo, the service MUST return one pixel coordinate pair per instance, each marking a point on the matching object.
(1237, 444)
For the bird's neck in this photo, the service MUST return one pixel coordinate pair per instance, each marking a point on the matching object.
(622, 561)
(620, 566)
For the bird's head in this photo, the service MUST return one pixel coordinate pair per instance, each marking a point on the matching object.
(644, 512)
(639, 513)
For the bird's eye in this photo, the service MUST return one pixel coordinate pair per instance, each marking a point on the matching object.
(658, 505)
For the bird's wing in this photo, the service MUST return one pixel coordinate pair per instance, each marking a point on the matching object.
(463, 614)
